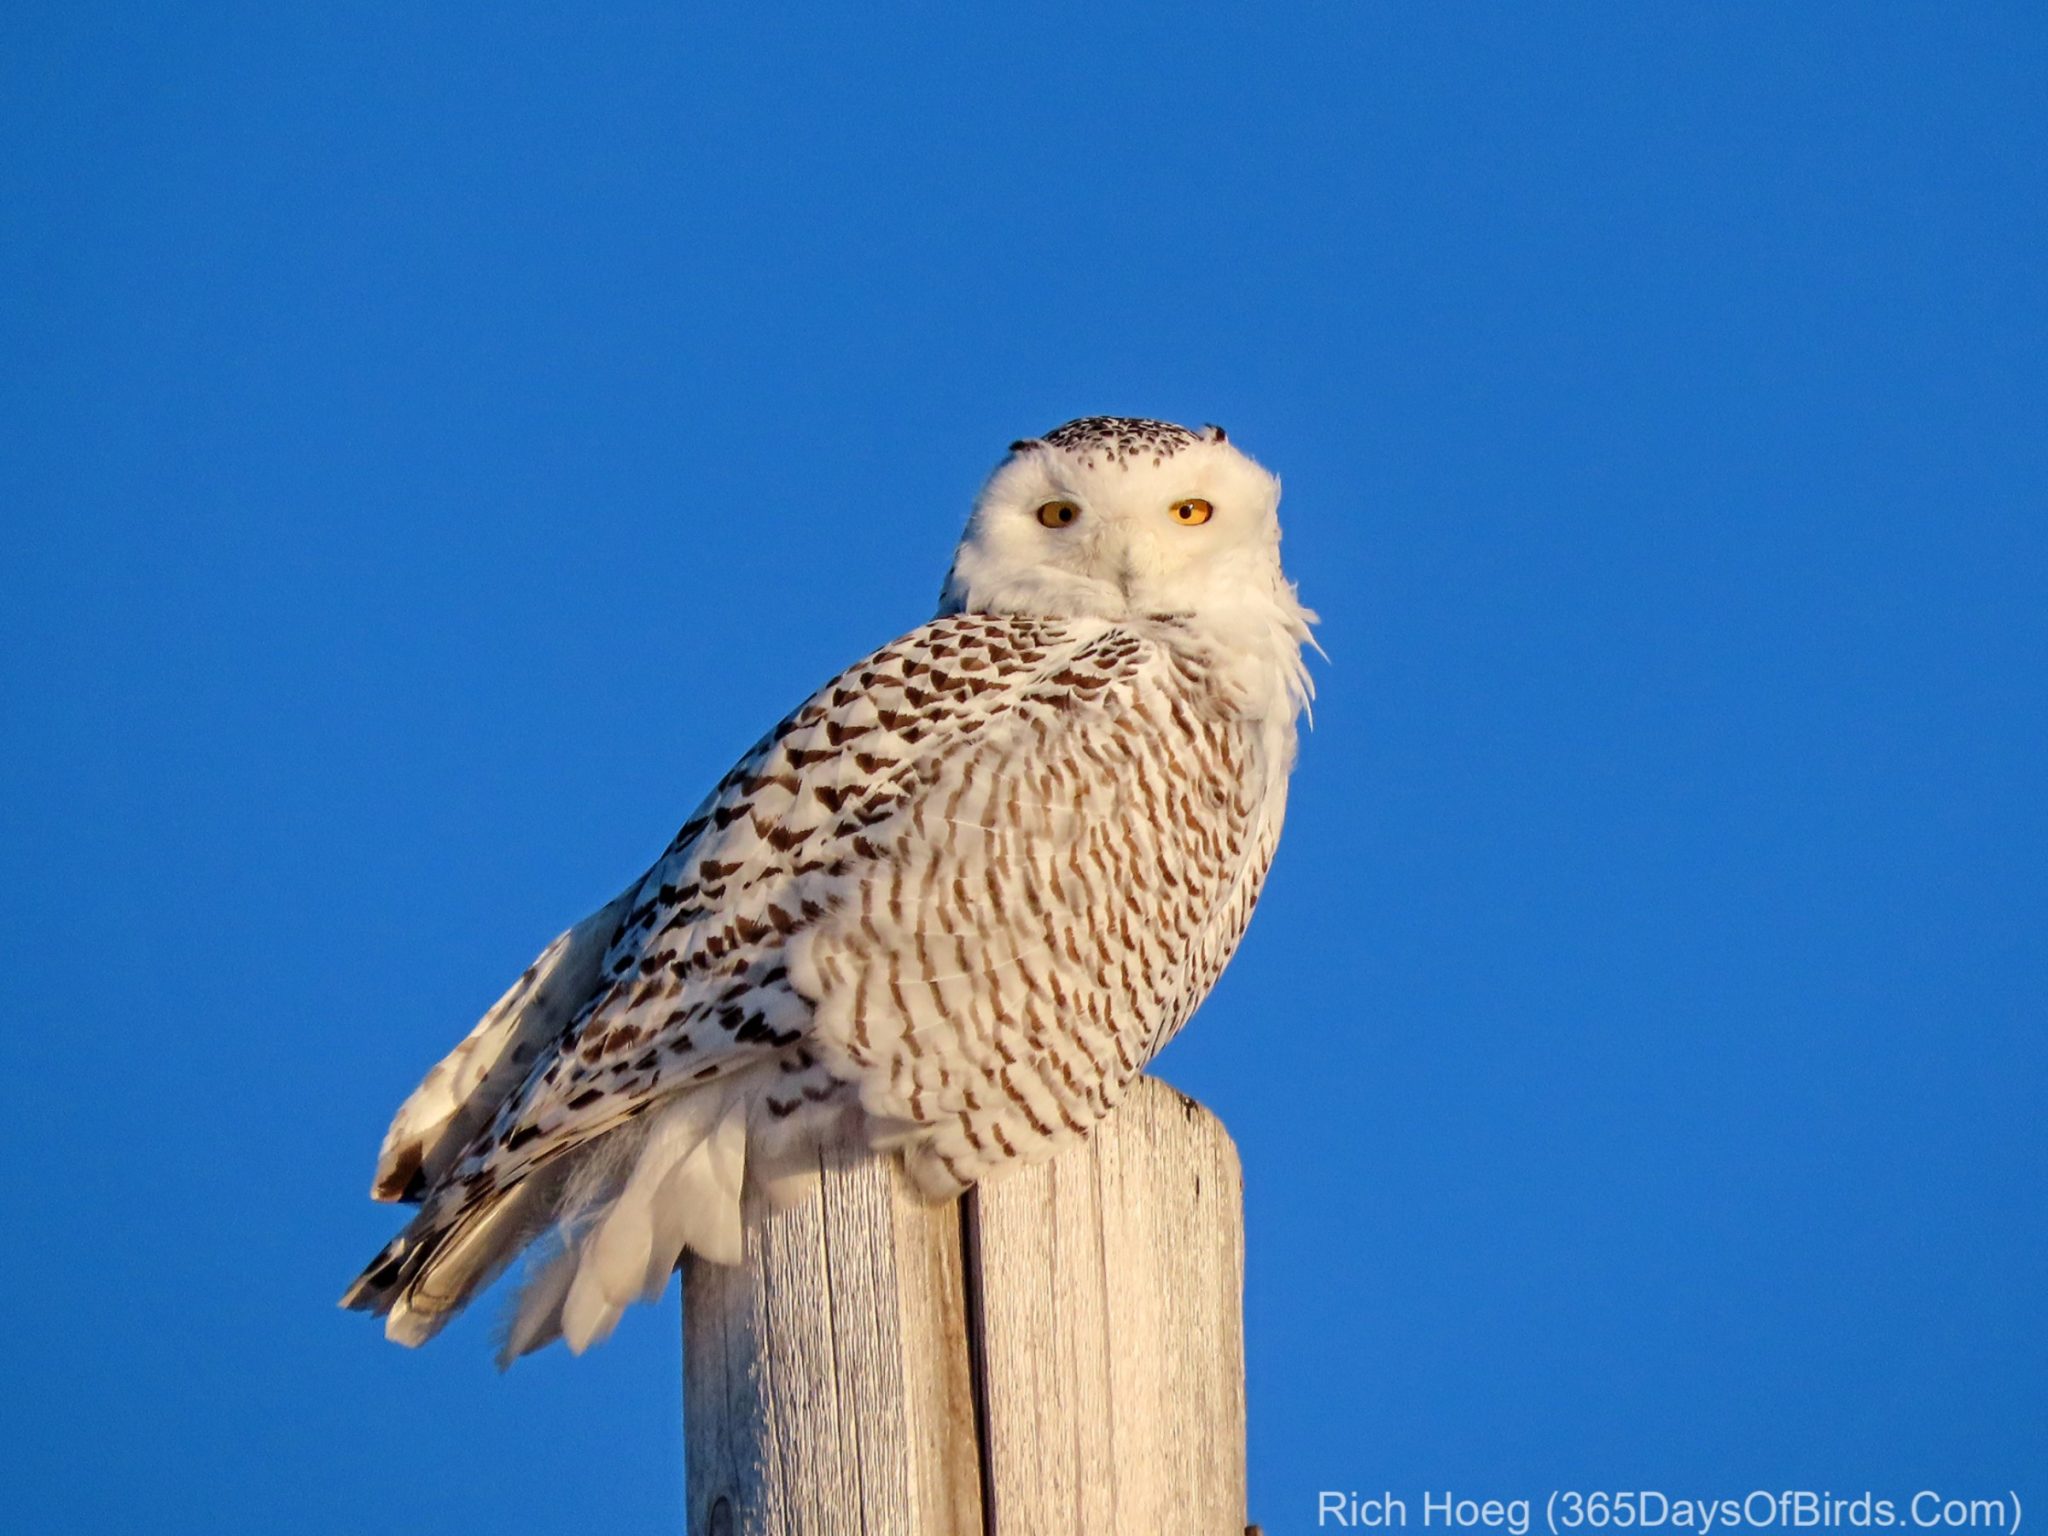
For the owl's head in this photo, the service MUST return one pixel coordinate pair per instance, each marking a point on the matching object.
(1118, 517)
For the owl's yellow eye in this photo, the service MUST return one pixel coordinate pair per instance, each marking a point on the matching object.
(1058, 514)
(1193, 512)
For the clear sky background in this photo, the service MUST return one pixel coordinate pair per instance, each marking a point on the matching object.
(435, 440)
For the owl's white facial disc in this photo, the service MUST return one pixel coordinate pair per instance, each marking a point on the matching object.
(1094, 518)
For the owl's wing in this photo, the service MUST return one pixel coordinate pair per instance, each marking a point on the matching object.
(700, 981)
(971, 885)
(466, 1087)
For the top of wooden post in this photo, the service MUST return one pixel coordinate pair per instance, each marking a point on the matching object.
(1060, 1351)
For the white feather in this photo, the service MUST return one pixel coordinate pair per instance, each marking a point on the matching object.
(536, 1317)
(684, 1193)
(715, 1189)
(465, 1088)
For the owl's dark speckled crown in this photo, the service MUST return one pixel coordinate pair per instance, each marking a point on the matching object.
(1118, 438)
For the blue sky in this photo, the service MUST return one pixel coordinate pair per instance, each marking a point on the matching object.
(436, 440)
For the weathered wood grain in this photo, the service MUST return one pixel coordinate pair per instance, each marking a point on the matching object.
(1110, 1285)
(1061, 1352)
(825, 1381)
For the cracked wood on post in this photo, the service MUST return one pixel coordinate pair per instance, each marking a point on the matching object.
(1111, 1328)
(1060, 1352)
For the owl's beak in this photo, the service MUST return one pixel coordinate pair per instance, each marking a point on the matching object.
(1126, 575)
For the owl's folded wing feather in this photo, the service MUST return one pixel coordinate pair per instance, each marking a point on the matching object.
(697, 982)
(969, 888)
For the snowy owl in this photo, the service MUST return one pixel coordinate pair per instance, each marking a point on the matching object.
(949, 907)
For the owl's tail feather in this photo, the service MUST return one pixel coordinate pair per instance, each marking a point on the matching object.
(608, 1222)
(423, 1276)
(683, 1193)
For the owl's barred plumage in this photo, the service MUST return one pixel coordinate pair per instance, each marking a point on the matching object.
(951, 905)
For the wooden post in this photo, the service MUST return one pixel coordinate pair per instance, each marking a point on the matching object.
(1060, 1352)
